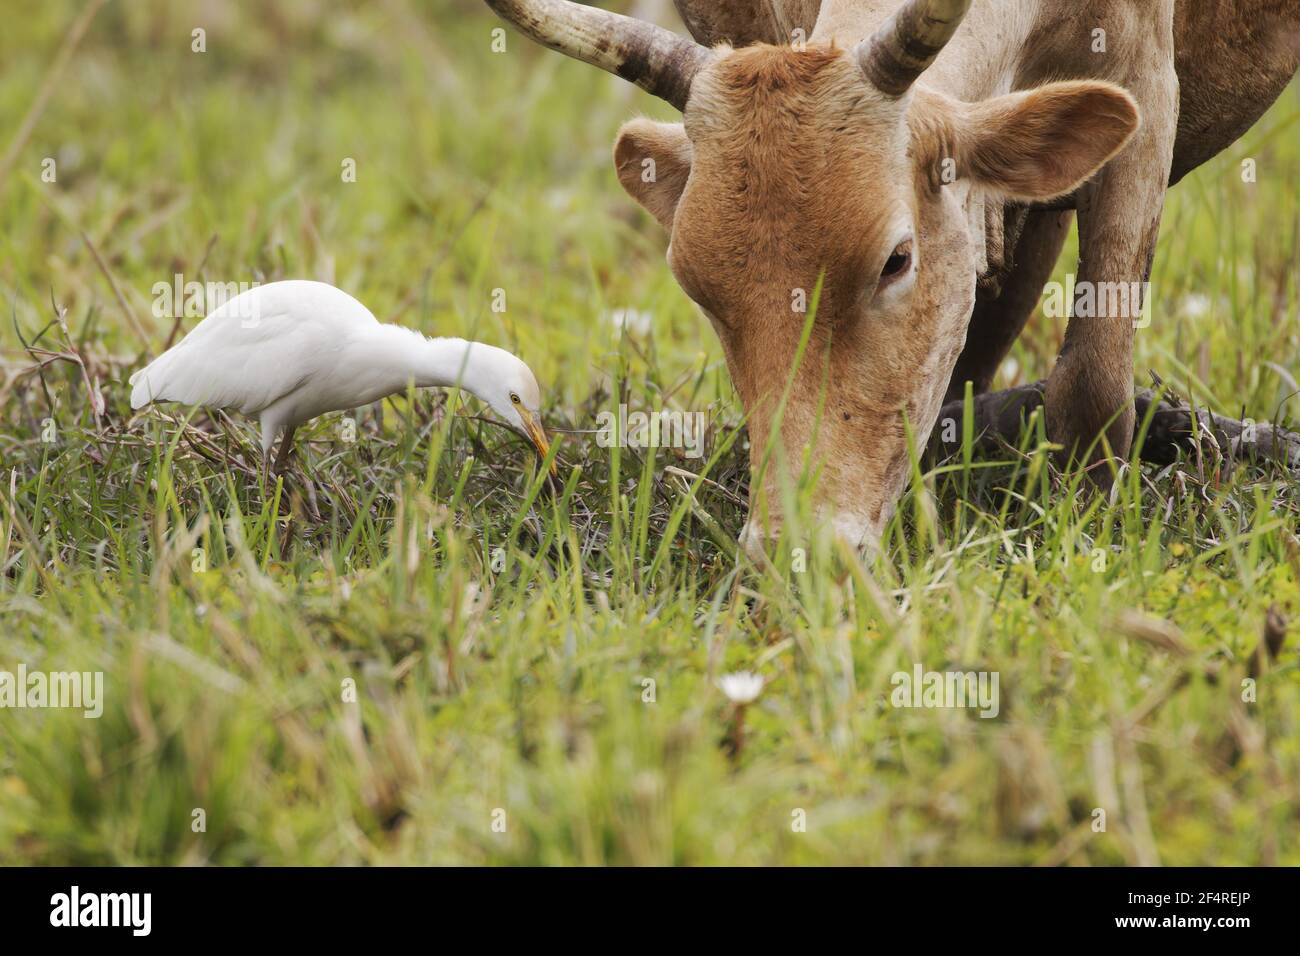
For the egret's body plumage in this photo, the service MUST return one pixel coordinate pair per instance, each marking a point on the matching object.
(289, 351)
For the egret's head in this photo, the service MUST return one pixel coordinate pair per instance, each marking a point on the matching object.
(513, 394)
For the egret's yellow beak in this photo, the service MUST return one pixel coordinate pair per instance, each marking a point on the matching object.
(533, 426)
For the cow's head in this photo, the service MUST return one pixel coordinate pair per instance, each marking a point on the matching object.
(794, 164)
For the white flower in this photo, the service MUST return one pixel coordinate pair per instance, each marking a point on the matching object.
(634, 320)
(741, 687)
(1196, 305)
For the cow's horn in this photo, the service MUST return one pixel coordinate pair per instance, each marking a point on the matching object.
(908, 42)
(657, 60)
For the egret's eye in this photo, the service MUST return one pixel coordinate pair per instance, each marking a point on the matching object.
(899, 261)
(514, 398)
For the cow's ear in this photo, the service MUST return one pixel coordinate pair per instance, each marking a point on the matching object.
(1044, 142)
(653, 162)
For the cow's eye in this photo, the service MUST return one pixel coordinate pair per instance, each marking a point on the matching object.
(899, 261)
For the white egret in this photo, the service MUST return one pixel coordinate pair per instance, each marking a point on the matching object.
(288, 351)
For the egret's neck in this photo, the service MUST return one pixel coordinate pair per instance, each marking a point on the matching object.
(429, 362)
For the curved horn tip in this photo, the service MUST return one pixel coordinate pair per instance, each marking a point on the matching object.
(908, 42)
(655, 59)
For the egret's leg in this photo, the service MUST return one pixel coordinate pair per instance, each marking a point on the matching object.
(269, 429)
(286, 445)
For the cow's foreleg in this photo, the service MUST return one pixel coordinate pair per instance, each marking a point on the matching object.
(1000, 418)
(1090, 391)
(998, 320)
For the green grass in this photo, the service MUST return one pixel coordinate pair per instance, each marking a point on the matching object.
(1120, 629)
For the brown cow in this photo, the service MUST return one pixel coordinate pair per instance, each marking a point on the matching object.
(926, 160)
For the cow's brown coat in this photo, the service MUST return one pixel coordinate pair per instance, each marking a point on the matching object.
(788, 163)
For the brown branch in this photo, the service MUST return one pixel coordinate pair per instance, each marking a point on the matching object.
(127, 314)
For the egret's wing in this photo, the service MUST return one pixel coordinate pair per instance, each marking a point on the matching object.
(299, 299)
(255, 349)
(243, 368)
